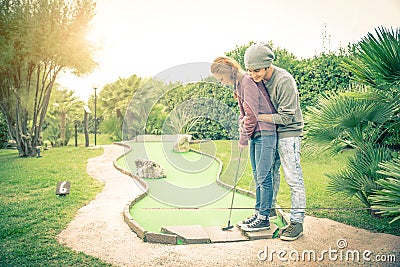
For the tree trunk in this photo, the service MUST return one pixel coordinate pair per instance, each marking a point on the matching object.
(63, 120)
(76, 135)
(85, 123)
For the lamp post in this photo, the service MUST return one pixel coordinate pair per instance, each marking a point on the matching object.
(95, 115)
(85, 124)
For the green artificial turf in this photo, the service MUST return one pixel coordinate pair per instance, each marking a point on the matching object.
(189, 194)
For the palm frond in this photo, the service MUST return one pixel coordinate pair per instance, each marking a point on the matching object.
(377, 59)
(391, 168)
(360, 176)
(345, 183)
(387, 200)
(340, 120)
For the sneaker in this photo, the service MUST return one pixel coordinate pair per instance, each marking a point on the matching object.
(292, 232)
(257, 225)
(272, 215)
(249, 220)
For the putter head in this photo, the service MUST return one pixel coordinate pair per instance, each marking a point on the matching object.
(227, 228)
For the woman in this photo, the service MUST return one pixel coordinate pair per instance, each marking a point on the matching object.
(253, 100)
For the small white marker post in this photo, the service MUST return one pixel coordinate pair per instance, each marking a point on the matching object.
(63, 188)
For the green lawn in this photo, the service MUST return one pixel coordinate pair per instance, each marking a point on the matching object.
(31, 215)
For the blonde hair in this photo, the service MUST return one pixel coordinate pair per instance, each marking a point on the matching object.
(225, 66)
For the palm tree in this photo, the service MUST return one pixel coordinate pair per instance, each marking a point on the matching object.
(142, 101)
(365, 118)
(343, 120)
(376, 63)
(62, 103)
(114, 100)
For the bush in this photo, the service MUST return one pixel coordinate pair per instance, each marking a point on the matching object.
(318, 75)
(209, 108)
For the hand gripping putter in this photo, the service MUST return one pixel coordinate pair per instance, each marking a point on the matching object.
(233, 195)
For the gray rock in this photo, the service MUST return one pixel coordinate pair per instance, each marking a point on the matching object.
(182, 145)
(149, 169)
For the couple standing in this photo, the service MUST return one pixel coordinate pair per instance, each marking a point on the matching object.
(271, 123)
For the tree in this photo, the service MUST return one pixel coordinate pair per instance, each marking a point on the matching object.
(3, 131)
(113, 102)
(319, 75)
(142, 102)
(63, 110)
(366, 118)
(39, 39)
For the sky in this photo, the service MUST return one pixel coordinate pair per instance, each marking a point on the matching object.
(148, 37)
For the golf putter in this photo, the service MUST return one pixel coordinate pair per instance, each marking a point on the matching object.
(229, 226)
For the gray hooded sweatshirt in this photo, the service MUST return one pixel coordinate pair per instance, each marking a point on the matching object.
(284, 96)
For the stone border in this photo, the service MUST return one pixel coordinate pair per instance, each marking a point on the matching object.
(134, 225)
(167, 238)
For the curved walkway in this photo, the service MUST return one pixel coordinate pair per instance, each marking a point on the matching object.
(100, 231)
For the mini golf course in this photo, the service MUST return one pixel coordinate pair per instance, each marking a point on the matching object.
(189, 202)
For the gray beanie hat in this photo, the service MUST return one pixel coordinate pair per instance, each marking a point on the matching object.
(258, 56)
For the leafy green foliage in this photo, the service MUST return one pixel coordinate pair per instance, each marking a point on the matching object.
(128, 102)
(387, 199)
(208, 109)
(38, 40)
(320, 75)
(376, 61)
(360, 175)
(365, 118)
(114, 98)
(138, 117)
(155, 122)
(112, 126)
(64, 111)
(341, 120)
(3, 130)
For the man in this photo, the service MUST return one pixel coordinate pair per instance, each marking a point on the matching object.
(283, 93)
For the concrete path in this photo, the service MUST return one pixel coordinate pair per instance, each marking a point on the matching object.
(99, 230)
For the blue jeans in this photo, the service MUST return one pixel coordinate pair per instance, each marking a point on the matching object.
(288, 155)
(262, 156)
